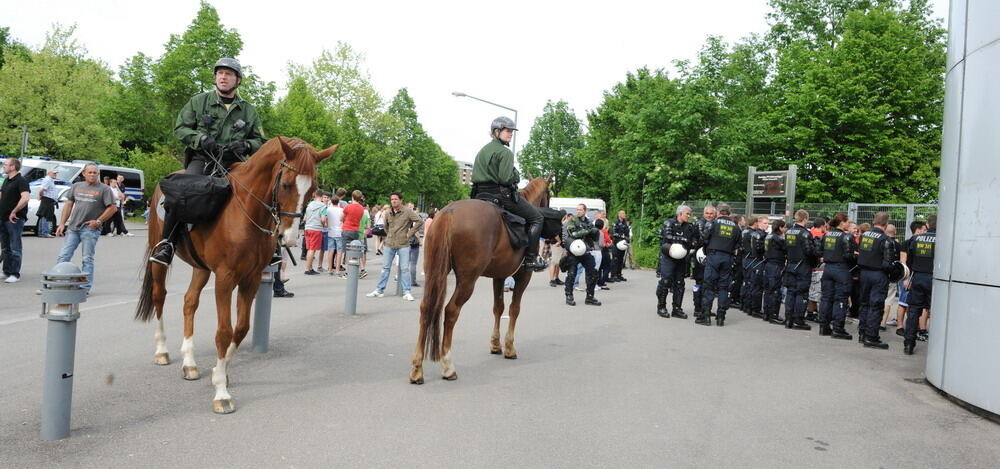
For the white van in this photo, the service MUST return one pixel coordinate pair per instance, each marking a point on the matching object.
(68, 173)
(569, 205)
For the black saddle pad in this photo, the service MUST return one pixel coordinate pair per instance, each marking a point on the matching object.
(194, 198)
(517, 230)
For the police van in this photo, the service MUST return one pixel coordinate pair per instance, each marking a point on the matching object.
(569, 205)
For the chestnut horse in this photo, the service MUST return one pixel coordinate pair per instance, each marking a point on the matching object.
(471, 239)
(268, 193)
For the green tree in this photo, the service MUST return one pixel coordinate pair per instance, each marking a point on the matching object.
(552, 145)
(154, 165)
(301, 114)
(135, 109)
(341, 83)
(433, 178)
(862, 118)
(61, 97)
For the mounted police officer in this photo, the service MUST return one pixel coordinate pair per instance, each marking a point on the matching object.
(876, 255)
(218, 128)
(581, 231)
(802, 257)
(719, 239)
(775, 254)
(494, 173)
(677, 237)
(708, 215)
(920, 259)
(838, 250)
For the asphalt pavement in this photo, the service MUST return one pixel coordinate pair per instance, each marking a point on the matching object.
(608, 386)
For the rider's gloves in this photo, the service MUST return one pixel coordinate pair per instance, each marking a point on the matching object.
(239, 148)
(208, 144)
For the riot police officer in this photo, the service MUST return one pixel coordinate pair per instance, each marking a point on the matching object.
(580, 228)
(838, 250)
(744, 263)
(218, 128)
(920, 259)
(673, 261)
(876, 254)
(719, 239)
(708, 214)
(775, 255)
(494, 173)
(802, 257)
(620, 231)
(735, 295)
(755, 268)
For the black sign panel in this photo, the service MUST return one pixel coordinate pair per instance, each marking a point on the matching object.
(770, 184)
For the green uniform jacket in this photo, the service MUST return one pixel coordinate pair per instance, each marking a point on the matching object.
(190, 125)
(495, 163)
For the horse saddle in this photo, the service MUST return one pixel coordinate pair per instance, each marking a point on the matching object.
(517, 229)
(194, 198)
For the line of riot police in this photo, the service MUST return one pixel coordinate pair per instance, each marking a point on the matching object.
(764, 262)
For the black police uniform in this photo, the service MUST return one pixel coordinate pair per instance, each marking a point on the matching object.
(672, 271)
(802, 257)
(755, 270)
(744, 266)
(580, 228)
(876, 255)
(736, 289)
(775, 254)
(619, 231)
(720, 239)
(837, 249)
(698, 269)
(920, 259)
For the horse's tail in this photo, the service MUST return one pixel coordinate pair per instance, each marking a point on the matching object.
(438, 253)
(144, 309)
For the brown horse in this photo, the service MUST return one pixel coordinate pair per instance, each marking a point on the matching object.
(471, 239)
(268, 193)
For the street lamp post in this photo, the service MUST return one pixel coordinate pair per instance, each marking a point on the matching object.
(513, 142)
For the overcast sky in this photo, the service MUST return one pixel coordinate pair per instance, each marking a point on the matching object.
(517, 53)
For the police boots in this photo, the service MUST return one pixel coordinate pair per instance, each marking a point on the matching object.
(908, 346)
(720, 318)
(163, 253)
(661, 299)
(591, 300)
(678, 313)
(873, 341)
(704, 319)
(569, 299)
(840, 333)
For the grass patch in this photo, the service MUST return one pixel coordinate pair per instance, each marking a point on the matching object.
(646, 256)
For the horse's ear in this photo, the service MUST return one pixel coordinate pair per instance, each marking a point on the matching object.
(285, 148)
(326, 153)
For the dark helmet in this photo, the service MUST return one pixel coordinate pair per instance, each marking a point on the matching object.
(230, 63)
(502, 122)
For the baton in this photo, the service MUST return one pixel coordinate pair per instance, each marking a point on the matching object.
(290, 256)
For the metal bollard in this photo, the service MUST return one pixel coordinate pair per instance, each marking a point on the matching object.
(62, 293)
(353, 254)
(262, 309)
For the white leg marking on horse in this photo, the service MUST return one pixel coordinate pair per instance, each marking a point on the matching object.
(160, 338)
(446, 364)
(219, 380)
(187, 351)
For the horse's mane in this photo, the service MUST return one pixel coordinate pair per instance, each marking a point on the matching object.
(269, 147)
(534, 188)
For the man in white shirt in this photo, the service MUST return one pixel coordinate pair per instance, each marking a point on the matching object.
(335, 222)
(46, 213)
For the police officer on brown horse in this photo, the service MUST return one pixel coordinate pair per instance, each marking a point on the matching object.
(494, 173)
(218, 128)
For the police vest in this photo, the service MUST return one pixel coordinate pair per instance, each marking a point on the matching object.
(833, 248)
(772, 247)
(922, 252)
(796, 243)
(872, 247)
(724, 235)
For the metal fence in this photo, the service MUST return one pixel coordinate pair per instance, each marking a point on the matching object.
(900, 215)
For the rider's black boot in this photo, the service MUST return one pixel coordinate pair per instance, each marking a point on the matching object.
(531, 259)
(163, 252)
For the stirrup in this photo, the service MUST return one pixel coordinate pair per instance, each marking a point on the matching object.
(159, 257)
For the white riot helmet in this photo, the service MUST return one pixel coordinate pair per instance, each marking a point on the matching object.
(578, 247)
(700, 256)
(622, 245)
(677, 251)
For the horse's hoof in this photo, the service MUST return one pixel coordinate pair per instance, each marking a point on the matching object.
(417, 381)
(453, 377)
(511, 357)
(223, 406)
(161, 359)
(191, 373)
(496, 352)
